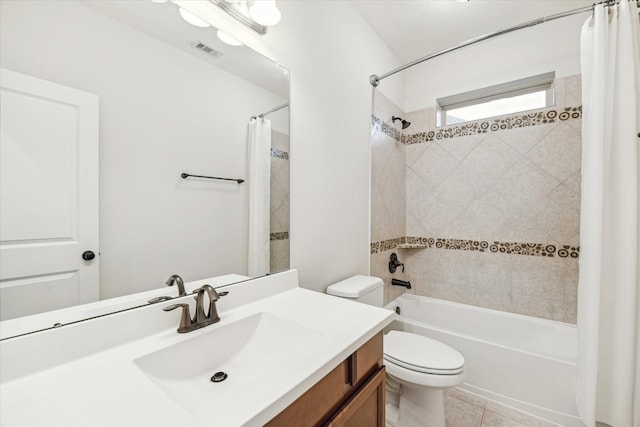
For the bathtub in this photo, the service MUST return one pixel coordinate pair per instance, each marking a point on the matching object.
(520, 361)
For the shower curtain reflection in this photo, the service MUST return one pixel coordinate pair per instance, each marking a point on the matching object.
(259, 141)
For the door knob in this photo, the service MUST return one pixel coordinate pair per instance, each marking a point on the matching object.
(88, 255)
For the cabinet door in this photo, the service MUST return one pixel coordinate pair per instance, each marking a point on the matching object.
(366, 407)
(318, 402)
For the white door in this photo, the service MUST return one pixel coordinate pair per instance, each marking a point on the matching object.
(48, 196)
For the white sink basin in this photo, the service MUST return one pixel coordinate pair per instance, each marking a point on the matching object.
(243, 350)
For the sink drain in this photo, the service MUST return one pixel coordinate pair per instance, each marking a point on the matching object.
(218, 377)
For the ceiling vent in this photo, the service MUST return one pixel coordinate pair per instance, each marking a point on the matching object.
(206, 49)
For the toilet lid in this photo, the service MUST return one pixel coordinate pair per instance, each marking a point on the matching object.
(421, 354)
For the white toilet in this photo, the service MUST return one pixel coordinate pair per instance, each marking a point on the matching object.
(418, 368)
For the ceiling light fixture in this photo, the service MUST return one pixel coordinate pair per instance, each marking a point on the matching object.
(255, 14)
(265, 12)
(227, 39)
(193, 19)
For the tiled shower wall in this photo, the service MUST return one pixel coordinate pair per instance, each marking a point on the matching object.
(494, 206)
(279, 228)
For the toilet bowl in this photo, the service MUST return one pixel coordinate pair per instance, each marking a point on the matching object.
(423, 367)
(418, 367)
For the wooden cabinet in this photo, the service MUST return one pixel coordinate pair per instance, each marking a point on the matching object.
(366, 407)
(351, 395)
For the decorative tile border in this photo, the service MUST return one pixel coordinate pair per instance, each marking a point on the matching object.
(516, 248)
(280, 235)
(504, 122)
(279, 154)
(387, 129)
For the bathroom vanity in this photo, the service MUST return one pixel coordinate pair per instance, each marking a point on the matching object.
(351, 394)
(290, 356)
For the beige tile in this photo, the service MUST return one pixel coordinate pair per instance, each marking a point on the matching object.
(571, 291)
(517, 415)
(559, 89)
(538, 276)
(420, 120)
(574, 182)
(434, 164)
(559, 213)
(525, 184)
(537, 306)
(489, 272)
(573, 91)
(414, 151)
(575, 124)
(466, 396)
(459, 413)
(461, 147)
(279, 255)
(495, 300)
(559, 153)
(279, 141)
(488, 161)
(484, 218)
(449, 292)
(416, 225)
(525, 138)
(449, 266)
(491, 419)
(384, 108)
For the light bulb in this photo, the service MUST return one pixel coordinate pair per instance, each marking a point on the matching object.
(226, 38)
(193, 19)
(265, 12)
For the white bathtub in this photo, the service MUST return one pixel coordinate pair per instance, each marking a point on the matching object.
(521, 361)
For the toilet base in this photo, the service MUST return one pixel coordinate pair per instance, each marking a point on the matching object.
(418, 406)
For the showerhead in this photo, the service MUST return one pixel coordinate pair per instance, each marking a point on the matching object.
(405, 124)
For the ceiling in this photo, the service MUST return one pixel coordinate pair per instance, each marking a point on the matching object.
(162, 21)
(415, 28)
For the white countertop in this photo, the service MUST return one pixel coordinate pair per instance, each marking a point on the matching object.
(105, 387)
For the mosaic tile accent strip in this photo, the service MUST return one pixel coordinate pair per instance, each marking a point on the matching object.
(385, 128)
(280, 235)
(516, 248)
(279, 154)
(386, 245)
(498, 124)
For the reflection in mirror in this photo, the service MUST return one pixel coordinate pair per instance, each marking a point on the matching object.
(104, 106)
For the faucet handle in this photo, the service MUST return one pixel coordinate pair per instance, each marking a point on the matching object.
(185, 320)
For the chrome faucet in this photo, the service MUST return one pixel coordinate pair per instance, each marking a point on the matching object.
(178, 281)
(200, 319)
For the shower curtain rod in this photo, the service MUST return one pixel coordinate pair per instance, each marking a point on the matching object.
(375, 80)
(279, 107)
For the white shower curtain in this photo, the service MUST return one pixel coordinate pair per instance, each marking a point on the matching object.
(259, 196)
(608, 297)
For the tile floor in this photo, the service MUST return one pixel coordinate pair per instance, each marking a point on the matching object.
(465, 409)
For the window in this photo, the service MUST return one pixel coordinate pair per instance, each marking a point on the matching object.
(507, 98)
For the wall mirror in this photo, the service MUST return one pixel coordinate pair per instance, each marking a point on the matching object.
(104, 106)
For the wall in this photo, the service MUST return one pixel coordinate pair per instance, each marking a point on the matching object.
(494, 207)
(330, 52)
(156, 109)
(552, 46)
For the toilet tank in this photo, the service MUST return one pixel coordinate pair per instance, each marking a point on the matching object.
(365, 289)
